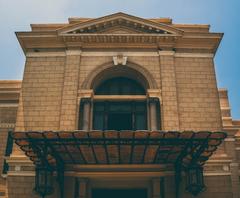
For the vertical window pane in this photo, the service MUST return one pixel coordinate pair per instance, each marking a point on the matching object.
(98, 121)
(140, 121)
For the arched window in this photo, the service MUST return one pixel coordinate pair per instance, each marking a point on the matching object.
(120, 101)
(119, 113)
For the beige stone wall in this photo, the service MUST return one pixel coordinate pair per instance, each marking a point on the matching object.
(225, 108)
(89, 64)
(22, 187)
(41, 94)
(170, 111)
(151, 63)
(188, 88)
(198, 99)
(8, 114)
(69, 104)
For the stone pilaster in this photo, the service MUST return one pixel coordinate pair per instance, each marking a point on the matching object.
(86, 113)
(156, 191)
(83, 188)
(234, 167)
(229, 148)
(153, 113)
(169, 91)
(70, 91)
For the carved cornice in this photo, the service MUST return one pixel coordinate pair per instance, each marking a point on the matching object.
(153, 41)
(120, 38)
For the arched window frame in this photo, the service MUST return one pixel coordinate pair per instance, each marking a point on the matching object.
(153, 108)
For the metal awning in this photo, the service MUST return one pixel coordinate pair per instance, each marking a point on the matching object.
(119, 147)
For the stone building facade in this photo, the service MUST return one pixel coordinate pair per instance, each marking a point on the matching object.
(67, 63)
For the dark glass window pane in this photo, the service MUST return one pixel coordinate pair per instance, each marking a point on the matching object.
(126, 88)
(119, 193)
(80, 118)
(120, 121)
(99, 106)
(140, 122)
(98, 121)
(158, 116)
(140, 106)
(120, 116)
(113, 89)
(120, 107)
(120, 86)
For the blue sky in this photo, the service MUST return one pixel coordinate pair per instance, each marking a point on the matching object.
(222, 15)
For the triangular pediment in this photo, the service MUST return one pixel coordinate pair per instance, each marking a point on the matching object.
(119, 23)
(120, 29)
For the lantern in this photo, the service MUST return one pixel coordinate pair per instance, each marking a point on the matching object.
(43, 181)
(195, 180)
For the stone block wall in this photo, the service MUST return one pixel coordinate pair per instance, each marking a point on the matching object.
(41, 94)
(198, 101)
(23, 187)
(89, 64)
(216, 186)
(49, 98)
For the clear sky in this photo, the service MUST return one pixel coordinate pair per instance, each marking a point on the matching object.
(222, 15)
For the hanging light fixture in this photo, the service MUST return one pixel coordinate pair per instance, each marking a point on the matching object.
(195, 180)
(43, 181)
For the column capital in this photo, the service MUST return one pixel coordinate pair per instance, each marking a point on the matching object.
(154, 93)
(85, 93)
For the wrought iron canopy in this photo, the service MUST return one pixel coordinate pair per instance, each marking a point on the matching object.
(187, 148)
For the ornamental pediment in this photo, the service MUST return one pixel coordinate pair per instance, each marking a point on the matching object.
(119, 23)
(118, 29)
